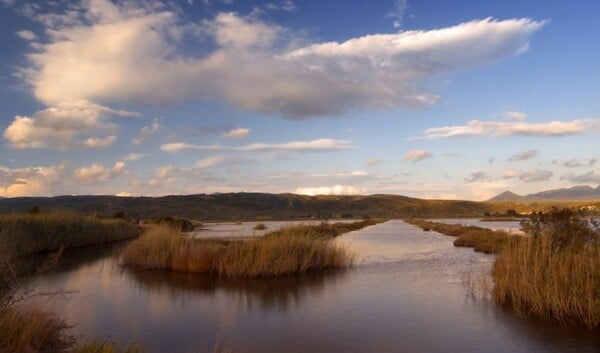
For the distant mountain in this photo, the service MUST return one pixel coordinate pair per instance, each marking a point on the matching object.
(576, 193)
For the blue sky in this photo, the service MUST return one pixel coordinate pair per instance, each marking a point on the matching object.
(453, 99)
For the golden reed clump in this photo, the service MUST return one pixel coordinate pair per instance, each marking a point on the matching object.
(289, 251)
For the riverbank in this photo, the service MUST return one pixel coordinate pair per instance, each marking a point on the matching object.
(481, 239)
(23, 234)
(292, 250)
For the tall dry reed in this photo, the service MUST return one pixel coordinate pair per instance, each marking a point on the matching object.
(537, 278)
(288, 251)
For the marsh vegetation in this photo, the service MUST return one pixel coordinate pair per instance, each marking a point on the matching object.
(552, 272)
(291, 250)
(23, 234)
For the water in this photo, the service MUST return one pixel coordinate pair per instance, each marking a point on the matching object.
(513, 227)
(234, 230)
(406, 294)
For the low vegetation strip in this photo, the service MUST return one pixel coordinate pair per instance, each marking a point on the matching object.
(23, 234)
(481, 239)
(288, 251)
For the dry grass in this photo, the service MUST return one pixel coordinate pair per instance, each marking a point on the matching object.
(537, 279)
(104, 347)
(25, 234)
(481, 239)
(555, 272)
(287, 251)
(33, 330)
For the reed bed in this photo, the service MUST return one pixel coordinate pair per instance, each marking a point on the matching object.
(536, 278)
(553, 272)
(33, 330)
(287, 251)
(481, 239)
(28, 233)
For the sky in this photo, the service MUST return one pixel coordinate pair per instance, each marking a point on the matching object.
(442, 100)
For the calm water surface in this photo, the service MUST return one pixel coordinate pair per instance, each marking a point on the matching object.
(407, 293)
(234, 230)
(513, 227)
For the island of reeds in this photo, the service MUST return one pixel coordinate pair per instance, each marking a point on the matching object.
(552, 271)
(287, 251)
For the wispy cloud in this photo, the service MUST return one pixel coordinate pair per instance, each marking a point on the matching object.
(314, 145)
(397, 14)
(498, 129)
(516, 116)
(237, 133)
(146, 132)
(217, 160)
(526, 176)
(536, 175)
(134, 156)
(417, 155)
(576, 163)
(589, 177)
(523, 156)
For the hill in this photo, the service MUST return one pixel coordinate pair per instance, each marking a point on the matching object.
(240, 206)
(576, 193)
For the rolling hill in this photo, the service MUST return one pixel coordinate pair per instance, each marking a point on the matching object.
(240, 206)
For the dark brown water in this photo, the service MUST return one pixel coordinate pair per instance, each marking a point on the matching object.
(407, 294)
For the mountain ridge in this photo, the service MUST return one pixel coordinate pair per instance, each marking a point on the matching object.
(575, 193)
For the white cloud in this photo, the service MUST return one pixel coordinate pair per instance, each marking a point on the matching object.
(30, 181)
(314, 145)
(67, 124)
(417, 155)
(27, 35)
(516, 116)
(134, 156)
(237, 133)
(214, 161)
(123, 194)
(99, 173)
(523, 156)
(373, 162)
(328, 190)
(526, 176)
(495, 128)
(127, 53)
(536, 175)
(99, 142)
